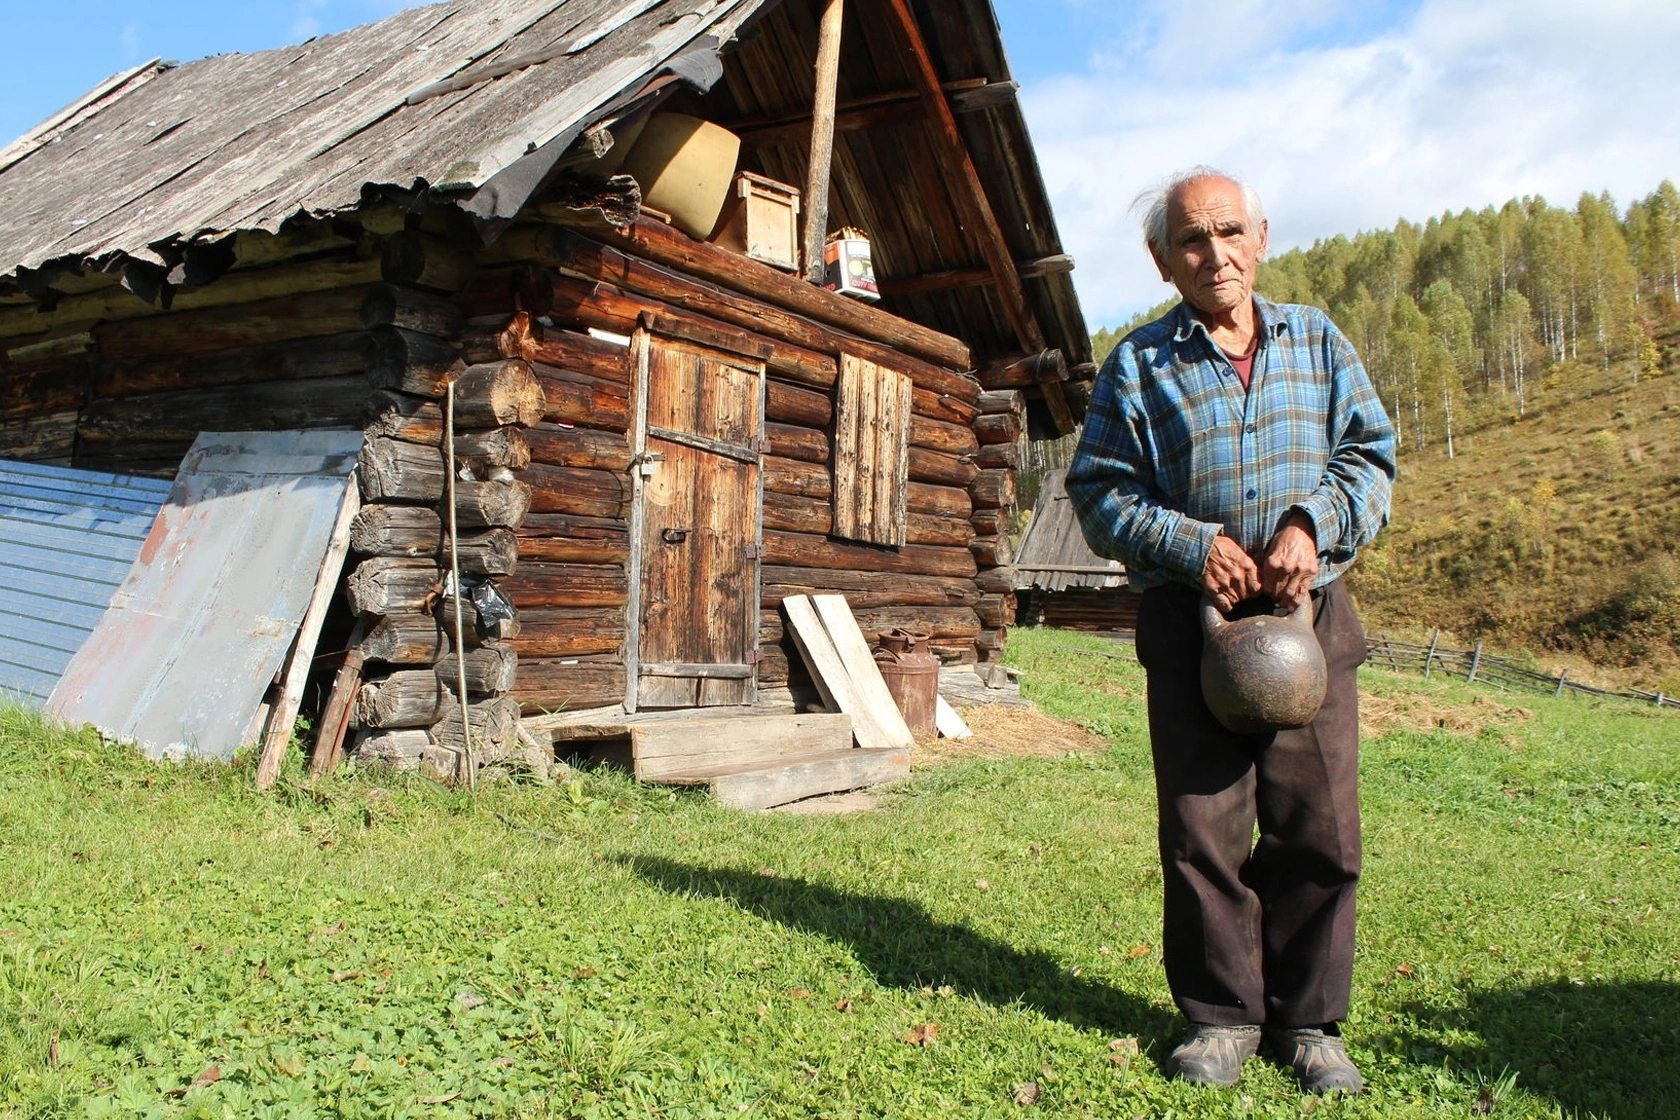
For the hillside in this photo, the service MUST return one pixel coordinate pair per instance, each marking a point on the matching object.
(1553, 533)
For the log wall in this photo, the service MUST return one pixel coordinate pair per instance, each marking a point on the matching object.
(420, 348)
(369, 328)
(104, 380)
(574, 547)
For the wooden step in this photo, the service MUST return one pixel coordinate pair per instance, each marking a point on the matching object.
(765, 785)
(664, 747)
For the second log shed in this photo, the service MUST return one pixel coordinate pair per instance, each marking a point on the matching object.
(1062, 583)
(660, 438)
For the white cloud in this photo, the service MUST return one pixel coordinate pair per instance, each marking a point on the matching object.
(1465, 103)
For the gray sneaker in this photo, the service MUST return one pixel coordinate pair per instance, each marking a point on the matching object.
(1213, 1055)
(1320, 1060)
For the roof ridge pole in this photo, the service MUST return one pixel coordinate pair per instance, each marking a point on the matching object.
(822, 138)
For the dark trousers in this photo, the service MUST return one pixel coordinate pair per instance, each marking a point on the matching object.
(1256, 931)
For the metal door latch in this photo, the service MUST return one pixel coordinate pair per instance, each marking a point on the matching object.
(673, 536)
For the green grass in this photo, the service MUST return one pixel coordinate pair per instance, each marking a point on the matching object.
(375, 947)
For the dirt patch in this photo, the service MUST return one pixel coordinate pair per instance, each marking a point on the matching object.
(1381, 714)
(1012, 732)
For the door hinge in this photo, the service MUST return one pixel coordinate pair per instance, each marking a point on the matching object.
(754, 552)
(760, 445)
(754, 657)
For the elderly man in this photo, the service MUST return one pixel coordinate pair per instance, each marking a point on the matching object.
(1235, 449)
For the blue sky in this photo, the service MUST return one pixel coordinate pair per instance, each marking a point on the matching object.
(1345, 114)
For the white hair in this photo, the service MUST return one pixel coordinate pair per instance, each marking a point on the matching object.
(1153, 203)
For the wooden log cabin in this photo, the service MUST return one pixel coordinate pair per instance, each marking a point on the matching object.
(421, 228)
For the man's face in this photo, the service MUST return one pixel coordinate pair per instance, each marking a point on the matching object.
(1211, 249)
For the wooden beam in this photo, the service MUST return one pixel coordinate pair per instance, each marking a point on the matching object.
(974, 277)
(335, 717)
(699, 260)
(1016, 370)
(971, 95)
(1055, 399)
(822, 138)
(971, 202)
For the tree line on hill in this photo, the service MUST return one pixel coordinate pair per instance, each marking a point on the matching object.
(1488, 314)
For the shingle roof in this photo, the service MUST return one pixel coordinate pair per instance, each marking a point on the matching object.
(474, 100)
(448, 95)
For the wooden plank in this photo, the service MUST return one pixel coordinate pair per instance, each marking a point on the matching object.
(849, 457)
(823, 660)
(335, 714)
(767, 787)
(661, 749)
(893, 470)
(949, 723)
(693, 670)
(875, 704)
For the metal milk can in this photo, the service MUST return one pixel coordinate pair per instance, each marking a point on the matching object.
(911, 671)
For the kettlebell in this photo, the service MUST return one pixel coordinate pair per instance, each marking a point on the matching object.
(1262, 673)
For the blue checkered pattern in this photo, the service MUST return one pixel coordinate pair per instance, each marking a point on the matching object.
(1174, 449)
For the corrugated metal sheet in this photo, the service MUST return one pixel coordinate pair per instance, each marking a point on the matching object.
(67, 538)
(180, 662)
(245, 141)
(1053, 555)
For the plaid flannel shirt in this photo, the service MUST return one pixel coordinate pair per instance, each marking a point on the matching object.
(1175, 451)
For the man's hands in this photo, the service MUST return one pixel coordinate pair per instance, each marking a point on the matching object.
(1286, 571)
(1291, 562)
(1230, 575)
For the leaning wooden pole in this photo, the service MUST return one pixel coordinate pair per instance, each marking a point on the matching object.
(468, 764)
(822, 139)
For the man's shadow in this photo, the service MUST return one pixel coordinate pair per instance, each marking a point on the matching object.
(1604, 1049)
(903, 946)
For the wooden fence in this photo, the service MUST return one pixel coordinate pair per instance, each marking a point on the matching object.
(1480, 667)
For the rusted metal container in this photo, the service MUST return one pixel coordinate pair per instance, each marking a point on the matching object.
(1262, 673)
(911, 671)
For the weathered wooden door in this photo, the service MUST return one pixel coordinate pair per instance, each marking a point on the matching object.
(696, 524)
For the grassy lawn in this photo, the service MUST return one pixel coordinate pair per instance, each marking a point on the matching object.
(174, 944)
